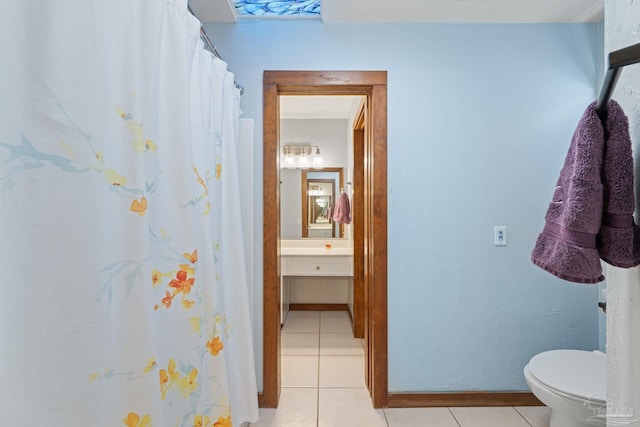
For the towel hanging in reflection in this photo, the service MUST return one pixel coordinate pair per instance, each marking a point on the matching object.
(342, 213)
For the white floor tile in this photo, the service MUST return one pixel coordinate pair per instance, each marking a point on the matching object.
(299, 371)
(318, 350)
(342, 371)
(420, 417)
(326, 314)
(301, 324)
(298, 407)
(266, 417)
(537, 416)
(488, 417)
(348, 407)
(300, 344)
(340, 345)
(303, 313)
(335, 324)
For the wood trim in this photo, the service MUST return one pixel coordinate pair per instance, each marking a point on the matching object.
(357, 201)
(318, 307)
(339, 82)
(376, 152)
(456, 399)
(372, 84)
(465, 399)
(271, 249)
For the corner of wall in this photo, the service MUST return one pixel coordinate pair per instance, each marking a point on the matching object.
(601, 57)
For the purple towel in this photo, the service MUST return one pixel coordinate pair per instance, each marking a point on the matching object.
(619, 238)
(591, 214)
(566, 247)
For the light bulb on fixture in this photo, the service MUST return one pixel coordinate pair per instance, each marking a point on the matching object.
(303, 162)
(317, 160)
(289, 163)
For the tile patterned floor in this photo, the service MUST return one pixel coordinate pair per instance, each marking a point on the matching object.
(323, 385)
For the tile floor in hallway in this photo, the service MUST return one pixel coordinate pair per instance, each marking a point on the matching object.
(323, 385)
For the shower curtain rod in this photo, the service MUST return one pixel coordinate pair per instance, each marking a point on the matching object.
(617, 59)
(212, 47)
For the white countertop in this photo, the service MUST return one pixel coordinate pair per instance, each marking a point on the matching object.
(297, 251)
(312, 247)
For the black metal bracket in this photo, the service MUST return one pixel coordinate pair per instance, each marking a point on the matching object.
(617, 59)
(603, 307)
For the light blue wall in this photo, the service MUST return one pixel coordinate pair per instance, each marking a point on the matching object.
(479, 121)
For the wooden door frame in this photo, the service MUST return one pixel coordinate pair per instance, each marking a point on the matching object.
(357, 210)
(373, 85)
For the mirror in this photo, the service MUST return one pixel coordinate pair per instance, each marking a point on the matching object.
(320, 190)
(320, 205)
(324, 122)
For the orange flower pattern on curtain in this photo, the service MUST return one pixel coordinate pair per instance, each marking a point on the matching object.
(111, 174)
(175, 287)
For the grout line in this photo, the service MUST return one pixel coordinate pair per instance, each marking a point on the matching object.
(523, 417)
(317, 407)
(319, 356)
(454, 417)
(386, 420)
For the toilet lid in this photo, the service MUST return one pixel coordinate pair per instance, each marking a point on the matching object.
(582, 374)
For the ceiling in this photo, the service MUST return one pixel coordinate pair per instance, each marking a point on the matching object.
(318, 107)
(443, 11)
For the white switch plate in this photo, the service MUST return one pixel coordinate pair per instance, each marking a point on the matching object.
(500, 235)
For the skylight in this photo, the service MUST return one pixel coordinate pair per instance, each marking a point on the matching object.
(270, 8)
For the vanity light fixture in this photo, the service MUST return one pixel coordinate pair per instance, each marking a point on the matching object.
(303, 161)
(303, 153)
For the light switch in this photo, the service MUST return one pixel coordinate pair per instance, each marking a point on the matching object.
(500, 235)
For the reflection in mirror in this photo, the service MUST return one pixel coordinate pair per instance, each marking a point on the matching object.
(320, 190)
(320, 208)
(323, 123)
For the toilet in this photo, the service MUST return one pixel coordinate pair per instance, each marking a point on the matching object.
(572, 383)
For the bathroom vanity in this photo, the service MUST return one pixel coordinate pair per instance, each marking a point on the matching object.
(309, 258)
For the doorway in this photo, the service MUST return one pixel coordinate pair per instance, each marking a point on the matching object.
(372, 241)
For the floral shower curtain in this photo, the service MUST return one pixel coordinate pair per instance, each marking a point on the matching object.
(124, 290)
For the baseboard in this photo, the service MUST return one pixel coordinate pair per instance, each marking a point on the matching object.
(318, 307)
(467, 398)
(262, 403)
(453, 399)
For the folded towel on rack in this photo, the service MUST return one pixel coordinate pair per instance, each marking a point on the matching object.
(618, 241)
(566, 247)
(342, 213)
